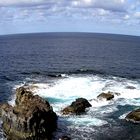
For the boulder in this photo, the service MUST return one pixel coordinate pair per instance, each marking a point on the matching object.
(134, 116)
(31, 118)
(106, 96)
(77, 107)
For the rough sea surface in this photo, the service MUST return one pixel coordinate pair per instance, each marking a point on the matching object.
(61, 67)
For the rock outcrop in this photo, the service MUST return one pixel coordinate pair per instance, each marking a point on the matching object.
(31, 118)
(77, 107)
(106, 96)
(134, 116)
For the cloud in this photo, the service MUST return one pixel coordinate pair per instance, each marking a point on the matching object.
(124, 12)
(137, 15)
(126, 17)
(19, 2)
(31, 3)
(114, 5)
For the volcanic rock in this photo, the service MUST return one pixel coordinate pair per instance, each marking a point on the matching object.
(77, 107)
(134, 116)
(31, 118)
(107, 96)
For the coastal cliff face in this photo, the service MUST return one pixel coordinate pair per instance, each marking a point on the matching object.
(31, 118)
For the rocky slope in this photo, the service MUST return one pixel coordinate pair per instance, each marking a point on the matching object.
(31, 118)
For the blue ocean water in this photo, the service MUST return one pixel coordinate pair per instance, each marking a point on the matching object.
(61, 67)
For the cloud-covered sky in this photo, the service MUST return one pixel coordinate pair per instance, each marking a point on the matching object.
(107, 16)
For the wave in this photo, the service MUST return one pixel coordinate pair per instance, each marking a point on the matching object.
(7, 78)
(32, 73)
(89, 86)
(87, 71)
(60, 92)
(82, 71)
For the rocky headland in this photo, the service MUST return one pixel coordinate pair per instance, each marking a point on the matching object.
(31, 118)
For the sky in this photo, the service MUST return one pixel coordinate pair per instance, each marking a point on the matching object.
(102, 16)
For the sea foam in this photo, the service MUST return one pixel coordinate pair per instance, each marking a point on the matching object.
(62, 91)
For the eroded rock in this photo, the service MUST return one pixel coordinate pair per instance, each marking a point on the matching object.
(134, 116)
(106, 96)
(77, 107)
(31, 118)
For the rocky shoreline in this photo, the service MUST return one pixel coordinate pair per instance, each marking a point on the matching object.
(30, 118)
(33, 118)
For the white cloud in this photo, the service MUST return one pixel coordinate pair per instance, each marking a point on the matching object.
(126, 17)
(18, 2)
(82, 3)
(118, 5)
(137, 14)
(104, 10)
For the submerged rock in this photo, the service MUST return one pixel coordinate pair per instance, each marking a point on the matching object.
(77, 107)
(134, 116)
(107, 96)
(31, 118)
(131, 87)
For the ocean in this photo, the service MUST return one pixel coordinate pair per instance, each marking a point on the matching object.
(66, 66)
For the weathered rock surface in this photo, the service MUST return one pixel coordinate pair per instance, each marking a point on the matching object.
(107, 96)
(77, 107)
(134, 116)
(31, 118)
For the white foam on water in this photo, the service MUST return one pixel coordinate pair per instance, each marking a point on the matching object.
(13, 96)
(123, 116)
(12, 102)
(63, 91)
(99, 103)
(125, 101)
(88, 87)
(72, 88)
(86, 121)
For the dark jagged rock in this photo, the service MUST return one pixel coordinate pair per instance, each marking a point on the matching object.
(107, 96)
(31, 118)
(134, 116)
(65, 138)
(77, 107)
(21, 93)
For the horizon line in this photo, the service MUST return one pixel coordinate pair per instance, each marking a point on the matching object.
(54, 32)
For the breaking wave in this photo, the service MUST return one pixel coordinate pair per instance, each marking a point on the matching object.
(62, 90)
